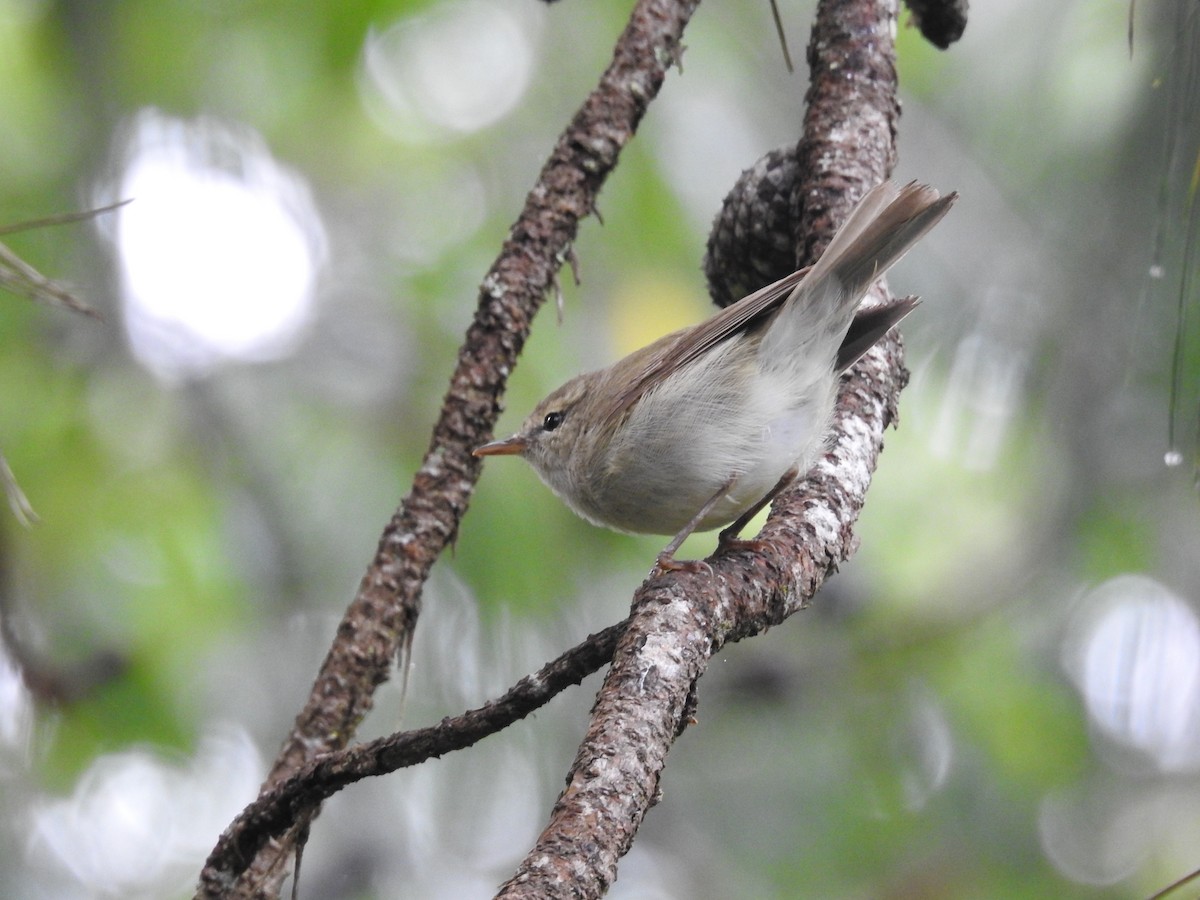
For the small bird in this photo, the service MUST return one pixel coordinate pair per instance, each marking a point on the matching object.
(705, 426)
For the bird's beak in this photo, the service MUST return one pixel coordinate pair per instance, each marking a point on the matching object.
(508, 447)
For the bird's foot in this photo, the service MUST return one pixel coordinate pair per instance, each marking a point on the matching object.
(667, 562)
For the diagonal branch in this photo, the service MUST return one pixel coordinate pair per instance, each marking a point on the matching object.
(380, 620)
(275, 810)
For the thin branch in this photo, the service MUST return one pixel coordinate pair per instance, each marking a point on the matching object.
(68, 218)
(782, 35)
(18, 503)
(275, 811)
(381, 618)
(1175, 885)
(20, 278)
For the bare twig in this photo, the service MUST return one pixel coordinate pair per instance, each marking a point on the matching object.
(21, 508)
(274, 812)
(19, 277)
(1175, 885)
(782, 35)
(63, 218)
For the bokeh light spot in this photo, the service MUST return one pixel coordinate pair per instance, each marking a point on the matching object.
(219, 250)
(456, 69)
(138, 823)
(1135, 658)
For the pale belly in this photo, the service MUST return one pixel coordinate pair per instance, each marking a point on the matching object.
(660, 487)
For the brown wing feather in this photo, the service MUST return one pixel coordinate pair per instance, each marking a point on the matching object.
(868, 326)
(693, 342)
(885, 222)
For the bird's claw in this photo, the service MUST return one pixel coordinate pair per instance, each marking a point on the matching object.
(666, 562)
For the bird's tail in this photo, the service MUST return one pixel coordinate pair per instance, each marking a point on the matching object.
(879, 231)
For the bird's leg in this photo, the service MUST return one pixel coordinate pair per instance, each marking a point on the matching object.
(666, 559)
(728, 538)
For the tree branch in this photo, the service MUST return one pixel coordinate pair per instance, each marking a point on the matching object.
(379, 622)
(275, 810)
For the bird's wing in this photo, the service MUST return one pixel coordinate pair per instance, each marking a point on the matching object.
(668, 354)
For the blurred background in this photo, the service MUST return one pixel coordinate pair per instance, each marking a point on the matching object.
(998, 697)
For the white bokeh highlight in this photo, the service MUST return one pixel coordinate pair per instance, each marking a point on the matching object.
(219, 250)
(16, 716)
(1092, 835)
(457, 68)
(140, 825)
(1134, 655)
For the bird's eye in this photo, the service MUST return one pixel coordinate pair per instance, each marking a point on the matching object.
(552, 421)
